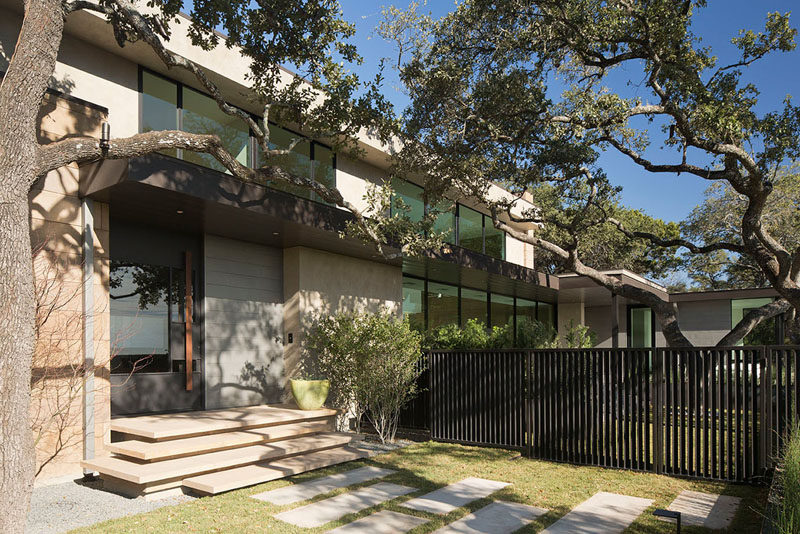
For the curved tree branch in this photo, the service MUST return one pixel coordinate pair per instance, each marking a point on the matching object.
(752, 319)
(693, 248)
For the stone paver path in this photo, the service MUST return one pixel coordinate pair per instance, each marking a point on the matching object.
(318, 513)
(384, 522)
(602, 513)
(707, 510)
(312, 488)
(456, 495)
(496, 518)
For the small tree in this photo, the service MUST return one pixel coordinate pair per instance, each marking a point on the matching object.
(372, 362)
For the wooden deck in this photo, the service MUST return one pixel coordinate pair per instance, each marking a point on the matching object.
(219, 450)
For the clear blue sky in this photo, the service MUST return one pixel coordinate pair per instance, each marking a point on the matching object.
(669, 197)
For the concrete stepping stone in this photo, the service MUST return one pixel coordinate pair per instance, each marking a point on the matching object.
(445, 500)
(707, 510)
(602, 513)
(497, 518)
(310, 489)
(318, 513)
(383, 522)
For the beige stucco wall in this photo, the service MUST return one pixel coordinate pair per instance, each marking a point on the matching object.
(570, 312)
(317, 282)
(57, 238)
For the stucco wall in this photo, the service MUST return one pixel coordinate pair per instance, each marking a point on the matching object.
(317, 282)
(705, 322)
(243, 323)
(57, 239)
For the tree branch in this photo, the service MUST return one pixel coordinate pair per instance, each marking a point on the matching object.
(752, 319)
(693, 248)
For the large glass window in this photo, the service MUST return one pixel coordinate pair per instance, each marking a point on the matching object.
(526, 313)
(199, 113)
(764, 333)
(140, 315)
(502, 310)
(159, 105)
(495, 240)
(411, 196)
(202, 115)
(546, 313)
(470, 229)
(442, 301)
(640, 325)
(445, 223)
(473, 305)
(413, 302)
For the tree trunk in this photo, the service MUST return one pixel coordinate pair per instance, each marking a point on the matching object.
(21, 93)
(17, 457)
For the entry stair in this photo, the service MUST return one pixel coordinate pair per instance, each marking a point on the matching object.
(214, 451)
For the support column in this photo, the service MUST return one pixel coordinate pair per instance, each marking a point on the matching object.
(87, 215)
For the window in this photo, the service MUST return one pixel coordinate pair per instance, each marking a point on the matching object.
(495, 240)
(526, 313)
(640, 327)
(446, 223)
(764, 333)
(413, 305)
(168, 105)
(159, 105)
(442, 302)
(476, 232)
(202, 115)
(411, 196)
(470, 229)
(145, 299)
(546, 314)
(502, 310)
(473, 306)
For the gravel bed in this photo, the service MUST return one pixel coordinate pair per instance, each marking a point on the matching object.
(374, 446)
(63, 507)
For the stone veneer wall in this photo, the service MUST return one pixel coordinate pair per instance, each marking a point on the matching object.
(57, 239)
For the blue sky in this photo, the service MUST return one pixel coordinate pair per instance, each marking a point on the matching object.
(669, 197)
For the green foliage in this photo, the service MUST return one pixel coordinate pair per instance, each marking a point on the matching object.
(787, 484)
(531, 334)
(372, 361)
(719, 218)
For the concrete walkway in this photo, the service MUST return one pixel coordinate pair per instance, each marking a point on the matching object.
(602, 513)
(707, 510)
(445, 500)
(308, 490)
(384, 522)
(496, 518)
(318, 513)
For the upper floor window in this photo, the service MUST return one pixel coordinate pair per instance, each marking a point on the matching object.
(168, 105)
(477, 232)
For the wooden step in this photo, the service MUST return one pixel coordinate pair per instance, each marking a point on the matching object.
(142, 473)
(250, 475)
(161, 450)
(189, 424)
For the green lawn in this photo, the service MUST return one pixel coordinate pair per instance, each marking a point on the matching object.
(427, 466)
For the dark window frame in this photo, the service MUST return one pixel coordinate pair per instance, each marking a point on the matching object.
(252, 151)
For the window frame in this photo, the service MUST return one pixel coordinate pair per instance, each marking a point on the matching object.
(629, 316)
(252, 150)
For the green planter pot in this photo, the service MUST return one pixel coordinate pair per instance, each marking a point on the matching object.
(310, 394)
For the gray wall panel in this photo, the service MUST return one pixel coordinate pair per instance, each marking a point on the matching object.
(244, 323)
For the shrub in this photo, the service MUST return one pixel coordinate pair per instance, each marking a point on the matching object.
(372, 361)
(787, 486)
(531, 334)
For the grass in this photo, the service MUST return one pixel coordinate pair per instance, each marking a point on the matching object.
(787, 517)
(427, 466)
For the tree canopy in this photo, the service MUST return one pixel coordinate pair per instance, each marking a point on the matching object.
(521, 92)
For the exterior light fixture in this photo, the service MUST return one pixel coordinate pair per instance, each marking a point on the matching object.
(179, 212)
(105, 136)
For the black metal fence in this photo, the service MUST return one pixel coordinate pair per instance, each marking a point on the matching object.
(718, 413)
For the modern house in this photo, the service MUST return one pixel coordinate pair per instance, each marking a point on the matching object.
(188, 290)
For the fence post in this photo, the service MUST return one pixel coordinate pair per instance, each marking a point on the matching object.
(528, 407)
(658, 431)
(764, 407)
